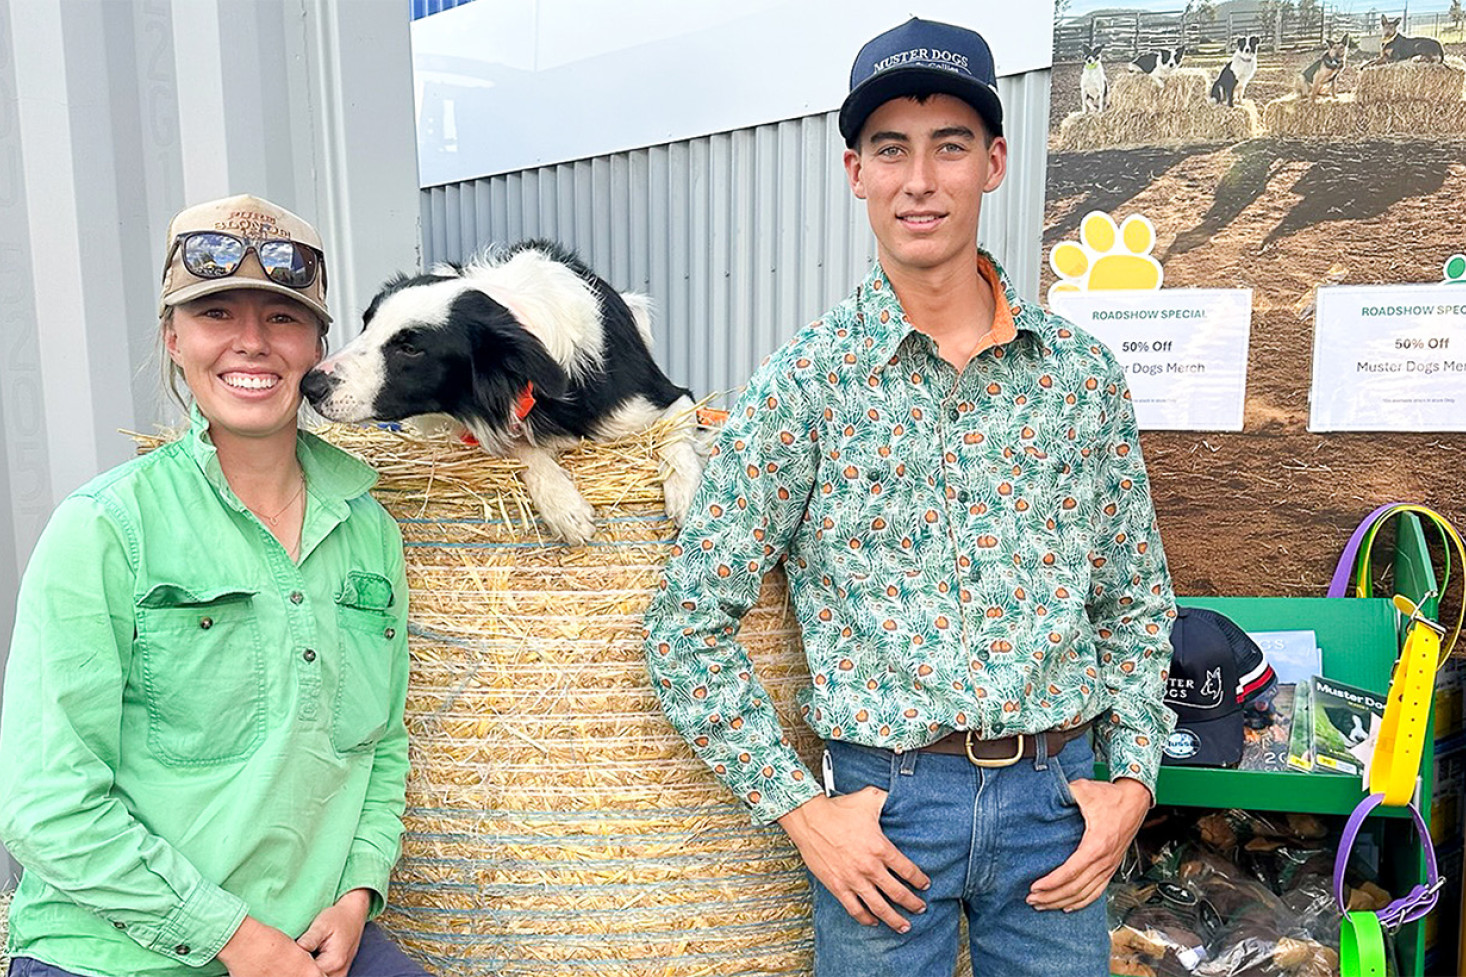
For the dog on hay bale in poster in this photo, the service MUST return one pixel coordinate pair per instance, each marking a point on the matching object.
(1426, 100)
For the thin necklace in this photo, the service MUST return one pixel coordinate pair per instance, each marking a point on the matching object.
(272, 520)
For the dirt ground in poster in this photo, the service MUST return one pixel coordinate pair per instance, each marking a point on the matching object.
(1267, 511)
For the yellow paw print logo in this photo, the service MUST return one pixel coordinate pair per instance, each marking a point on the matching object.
(1107, 257)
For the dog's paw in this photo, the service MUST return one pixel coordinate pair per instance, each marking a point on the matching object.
(573, 520)
(681, 465)
(677, 492)
(434, 427)
(1106, 256)
(556, 498)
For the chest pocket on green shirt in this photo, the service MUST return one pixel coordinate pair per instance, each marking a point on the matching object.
(203, 673)
(364, 697)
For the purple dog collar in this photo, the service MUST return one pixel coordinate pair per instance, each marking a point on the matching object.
(1416, 903)
(1339, 585)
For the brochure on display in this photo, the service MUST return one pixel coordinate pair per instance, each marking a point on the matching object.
(1296, 659)
(1294, 655)
(1267, 748)
(1344, 720)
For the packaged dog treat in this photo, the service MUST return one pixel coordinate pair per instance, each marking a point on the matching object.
(1225, 830)
(1163, 939)
(1232, 894)
(1280, 867)
(1251, 949)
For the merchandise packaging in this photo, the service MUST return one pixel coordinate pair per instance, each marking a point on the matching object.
(1232, 894)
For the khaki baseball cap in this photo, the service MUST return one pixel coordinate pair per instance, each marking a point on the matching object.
(254, 219)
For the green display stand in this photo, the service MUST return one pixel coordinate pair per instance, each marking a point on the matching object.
(1360, 639)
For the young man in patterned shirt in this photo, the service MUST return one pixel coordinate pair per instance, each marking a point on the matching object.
(954, 480)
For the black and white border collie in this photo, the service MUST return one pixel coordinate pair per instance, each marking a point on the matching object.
(1093, 86)
(1158, 64)
(1232, 82)
(529, 350)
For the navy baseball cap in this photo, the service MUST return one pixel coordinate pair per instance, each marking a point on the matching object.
(1216, 670)
(918, 57)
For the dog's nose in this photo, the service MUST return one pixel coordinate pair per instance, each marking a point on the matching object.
(316, 386)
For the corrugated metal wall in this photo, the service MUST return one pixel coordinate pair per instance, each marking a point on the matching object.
(740, 237)
(112, 117)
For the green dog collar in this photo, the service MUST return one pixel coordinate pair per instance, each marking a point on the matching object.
(1361, 946)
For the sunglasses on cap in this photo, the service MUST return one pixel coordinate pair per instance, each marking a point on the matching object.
(215, 254)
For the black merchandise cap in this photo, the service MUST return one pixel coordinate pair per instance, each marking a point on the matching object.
(918, 57)
(1216, 669)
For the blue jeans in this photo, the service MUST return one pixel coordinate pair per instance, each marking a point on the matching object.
(983, 836)
(377, 956)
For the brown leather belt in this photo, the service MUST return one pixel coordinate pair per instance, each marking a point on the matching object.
(1006, 751)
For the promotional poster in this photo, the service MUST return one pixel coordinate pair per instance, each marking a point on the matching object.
(1283, 147)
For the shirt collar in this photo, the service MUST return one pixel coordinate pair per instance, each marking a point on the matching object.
(878, 310)
(332, 475)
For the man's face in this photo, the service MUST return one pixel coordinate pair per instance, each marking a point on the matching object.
(922, 168)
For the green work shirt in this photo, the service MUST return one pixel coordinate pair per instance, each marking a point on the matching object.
(965, 551)
(194, 726)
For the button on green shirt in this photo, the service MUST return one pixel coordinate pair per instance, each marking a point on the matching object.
(965, 551)
(194, 727)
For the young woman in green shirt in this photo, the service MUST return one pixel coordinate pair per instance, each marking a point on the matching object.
(202, 753)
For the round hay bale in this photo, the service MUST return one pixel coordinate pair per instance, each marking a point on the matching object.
(1411, 81)
(1347, 117)
(556, 824)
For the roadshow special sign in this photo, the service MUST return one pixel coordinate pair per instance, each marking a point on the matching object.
(1184, 350)
(1389, 358)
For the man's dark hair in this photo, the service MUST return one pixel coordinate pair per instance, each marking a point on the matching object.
(921, 96)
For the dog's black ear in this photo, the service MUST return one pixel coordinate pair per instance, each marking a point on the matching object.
(503, 355)
(506, 355)
(529, 359)
(389, 287)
